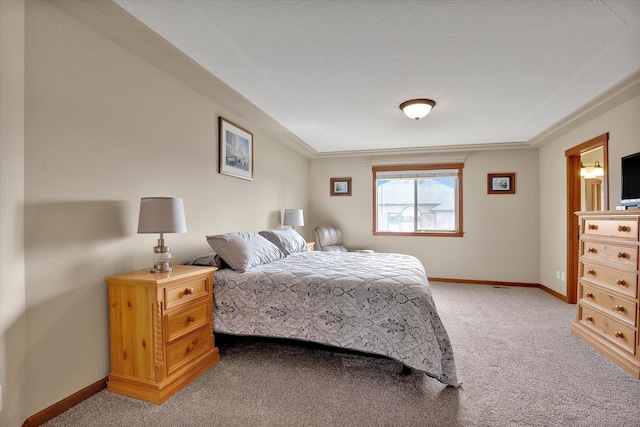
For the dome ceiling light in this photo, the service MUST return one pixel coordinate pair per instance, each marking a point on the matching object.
(417, 108)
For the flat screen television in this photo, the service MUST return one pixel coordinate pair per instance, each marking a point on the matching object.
(631, 180)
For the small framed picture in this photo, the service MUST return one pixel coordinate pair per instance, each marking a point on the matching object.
(235, 149)
(340, 186)
(501, 183)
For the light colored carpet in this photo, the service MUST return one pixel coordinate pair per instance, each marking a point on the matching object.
(519, 363)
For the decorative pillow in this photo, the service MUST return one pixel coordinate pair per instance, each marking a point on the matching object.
(210, 259)
(287, 240)
(243, 251)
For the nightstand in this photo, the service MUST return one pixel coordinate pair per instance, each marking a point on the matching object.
(161, 331)
(310, 245)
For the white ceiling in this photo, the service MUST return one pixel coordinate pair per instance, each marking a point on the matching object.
(334, 72)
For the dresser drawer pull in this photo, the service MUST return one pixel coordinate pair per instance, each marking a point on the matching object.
(623, 255)
(191, 318)
(192, 346)
(592, 227)
(590, 271)
(188, 291)
(619, 308)
(589, 295)
(623, 228)
(618, 334)
(621, 282)
(592, 250)
(588, 318)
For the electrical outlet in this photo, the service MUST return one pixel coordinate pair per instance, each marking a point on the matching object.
(562, 276)
(557, 274)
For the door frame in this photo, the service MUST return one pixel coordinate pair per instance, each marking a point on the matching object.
(574, 204)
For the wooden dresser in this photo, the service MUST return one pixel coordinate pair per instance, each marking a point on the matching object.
(608, 306)
(161, 331)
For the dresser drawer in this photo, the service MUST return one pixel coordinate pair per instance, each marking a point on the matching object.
(624, 228)
(617, 307)
(622, 255)
(621, 335)
(185, 291)
(183, 322)
(187, 349)
(623, 282)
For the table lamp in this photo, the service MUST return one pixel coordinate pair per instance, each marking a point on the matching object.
(161, 215)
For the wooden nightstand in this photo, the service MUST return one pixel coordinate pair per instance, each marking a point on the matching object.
(310, 245)
(161, 331)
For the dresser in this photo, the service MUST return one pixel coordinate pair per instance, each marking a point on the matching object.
(608, 310)
(161, 331)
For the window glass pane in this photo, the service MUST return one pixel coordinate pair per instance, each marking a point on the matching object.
(437, 198)
(395, 204)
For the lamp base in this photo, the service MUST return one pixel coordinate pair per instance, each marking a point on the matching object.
(161, 258)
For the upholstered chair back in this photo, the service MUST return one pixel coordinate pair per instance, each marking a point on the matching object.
(329, 239)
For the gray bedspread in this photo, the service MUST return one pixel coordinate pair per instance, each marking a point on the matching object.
(377, 303)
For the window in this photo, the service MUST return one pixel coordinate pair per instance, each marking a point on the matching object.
(418, 200)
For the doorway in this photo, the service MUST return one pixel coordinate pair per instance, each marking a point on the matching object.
(583, 195)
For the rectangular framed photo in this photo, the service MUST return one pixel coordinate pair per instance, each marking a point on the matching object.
(235, 150)
(340, 186)
(501, 183)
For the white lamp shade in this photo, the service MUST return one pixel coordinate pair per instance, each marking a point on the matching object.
(293, 217)
(161, 215)
(417, 108)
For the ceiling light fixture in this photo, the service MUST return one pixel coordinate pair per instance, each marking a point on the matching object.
(417, 108)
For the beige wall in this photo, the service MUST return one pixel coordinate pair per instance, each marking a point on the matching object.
(488, 250)
(104, 128)
(621, 121)
(12, 267)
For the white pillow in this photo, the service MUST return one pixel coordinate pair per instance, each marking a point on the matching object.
(287, 240)
(243, 251)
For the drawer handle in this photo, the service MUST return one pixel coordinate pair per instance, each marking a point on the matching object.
(188, 291)
(618, 334)
(592, 250)
(623, 228)
(619, 308)
(191, 318)
(192, 346)
(589, 295)
(588, 318)
(590, 271)
(621, 282)
(623, 255)
(592, 227)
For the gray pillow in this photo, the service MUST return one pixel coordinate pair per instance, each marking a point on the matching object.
(287, 240)
(243, 251)
(210, 259)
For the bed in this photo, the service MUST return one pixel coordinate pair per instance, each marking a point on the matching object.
(377, 303)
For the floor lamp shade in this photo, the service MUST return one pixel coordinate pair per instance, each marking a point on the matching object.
(293, 217)
(161, 215)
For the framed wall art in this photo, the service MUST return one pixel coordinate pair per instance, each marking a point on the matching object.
(235, 150)
(340, 186)
(501, 183)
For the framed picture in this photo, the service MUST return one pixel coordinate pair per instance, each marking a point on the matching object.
(501, 183)
(340, 186)
(235, 150)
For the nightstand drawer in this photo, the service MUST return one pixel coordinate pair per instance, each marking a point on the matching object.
(621, 335)
(187, 349)
(185, 291)
(614, 306)
(183, 322)
(623, 228)
(623, 282)
(623, 255)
